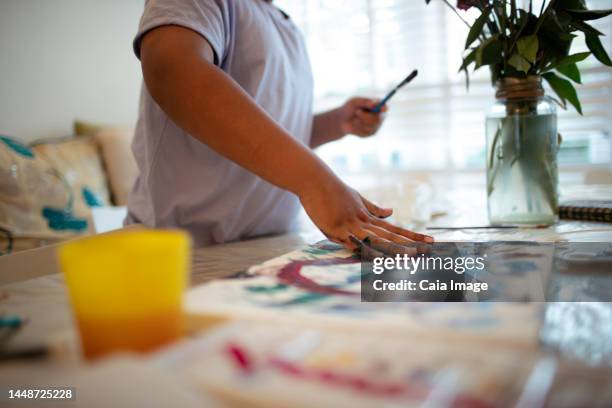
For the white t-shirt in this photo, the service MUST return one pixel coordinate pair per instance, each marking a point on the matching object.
(184, 184)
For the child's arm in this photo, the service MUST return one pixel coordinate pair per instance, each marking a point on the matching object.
(210, 106)
(350, 118)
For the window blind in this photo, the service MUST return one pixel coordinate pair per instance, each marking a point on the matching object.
(364, 47)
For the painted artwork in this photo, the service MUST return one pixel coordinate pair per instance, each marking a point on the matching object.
(320, 284)
(301, 336)
(262, 364)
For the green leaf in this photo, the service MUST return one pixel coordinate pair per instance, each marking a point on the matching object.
(490, 52)
(477, 27)
(554, 38)
(585, 28)
(594, 44)
(572, 59)
(522, 22)
(528, 47)
(564, 89)
(567, 36)
(556, 22)
(571, 71)
(570, 4)
(520, 63)
(562, 19)
(495, 73)
(471, 57)
(585, 15)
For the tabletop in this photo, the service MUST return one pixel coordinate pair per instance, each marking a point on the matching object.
(37, 291)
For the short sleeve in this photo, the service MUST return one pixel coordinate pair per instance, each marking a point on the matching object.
(209, 18)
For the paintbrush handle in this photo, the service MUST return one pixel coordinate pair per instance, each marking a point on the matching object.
(379, 105)
(536, 226)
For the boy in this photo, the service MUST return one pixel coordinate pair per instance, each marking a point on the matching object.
(224, 138)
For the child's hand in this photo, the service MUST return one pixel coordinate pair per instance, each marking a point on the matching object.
(356, 120)
(351, 118)
(340, 212)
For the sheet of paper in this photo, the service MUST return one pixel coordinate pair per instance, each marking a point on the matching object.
(320, 285)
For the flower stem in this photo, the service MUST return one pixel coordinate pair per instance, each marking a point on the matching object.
(542, 8)
(457, 13)
(543, 16)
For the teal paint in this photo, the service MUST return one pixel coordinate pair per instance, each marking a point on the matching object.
(62, 220)
(317, 251)
(17, 147)
(266, 289)
(91, 198)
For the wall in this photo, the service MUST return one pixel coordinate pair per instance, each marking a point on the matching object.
(67, 59)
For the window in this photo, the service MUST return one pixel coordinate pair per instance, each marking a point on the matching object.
(367, 46)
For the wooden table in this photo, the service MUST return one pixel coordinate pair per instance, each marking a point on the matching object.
(31, 285)
(221, 261)
(33, 288)
(43, 299)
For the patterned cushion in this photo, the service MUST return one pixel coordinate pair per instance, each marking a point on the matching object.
(46, 190)
(86, 128)
(115, 146)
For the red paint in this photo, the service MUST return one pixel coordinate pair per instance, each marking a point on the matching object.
(393, 390)
(338, 379)
(241, 358)
(342, 380)
(328, 376)
(290, 274)
(361, 384)
(288, 367)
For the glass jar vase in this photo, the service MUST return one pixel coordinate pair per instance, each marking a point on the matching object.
(522, 146)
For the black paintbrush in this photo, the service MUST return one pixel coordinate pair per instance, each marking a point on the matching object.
(536, 226)
(382, 103)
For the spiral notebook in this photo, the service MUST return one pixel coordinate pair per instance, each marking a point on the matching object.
(587, 210)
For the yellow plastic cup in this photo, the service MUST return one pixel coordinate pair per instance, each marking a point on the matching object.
(126, 289)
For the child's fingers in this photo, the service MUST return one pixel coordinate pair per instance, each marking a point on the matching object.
(387, 235)
(363, 103)
(366, 105)
(383, 233)
(375, 103)
(375, 234)
(369, 119)
(376, 210)
(365, 130)
(362, 129)
(404, 232)
(345, 242)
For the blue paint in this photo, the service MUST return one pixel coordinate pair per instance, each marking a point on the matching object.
(91, 198)
(62, 220)
(323, 248)
(318, 251)
(345, 309)
(266, 289)
(11, 321)
(17, 147)
(353, 279)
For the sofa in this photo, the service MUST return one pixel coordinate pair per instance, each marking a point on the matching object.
(51, 189)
